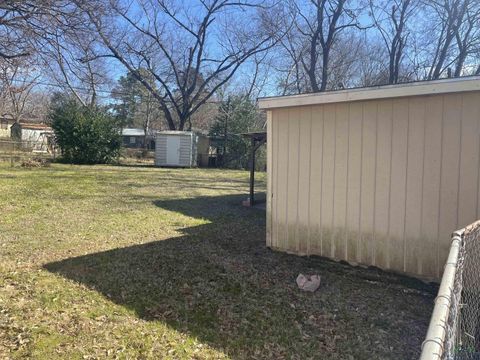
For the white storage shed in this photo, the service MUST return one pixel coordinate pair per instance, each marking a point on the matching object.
(176, 148)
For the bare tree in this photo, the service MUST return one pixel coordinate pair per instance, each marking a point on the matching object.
(191, 54)
(372, 69)
(320, 22)
(14, 18)
(467, 37)
(294, 79)
(450, 15)
(51, 32)
(391, 19)
(69, 61)
(17, 81)
(24, 22)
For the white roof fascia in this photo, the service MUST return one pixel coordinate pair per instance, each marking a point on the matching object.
(381, 92)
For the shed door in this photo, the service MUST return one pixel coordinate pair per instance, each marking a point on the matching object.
(173, 150)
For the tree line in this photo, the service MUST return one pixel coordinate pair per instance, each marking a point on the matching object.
(184, 56)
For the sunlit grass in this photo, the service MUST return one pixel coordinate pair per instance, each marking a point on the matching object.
(138, 262)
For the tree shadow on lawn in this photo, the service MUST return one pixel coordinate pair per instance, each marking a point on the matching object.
(218, 282)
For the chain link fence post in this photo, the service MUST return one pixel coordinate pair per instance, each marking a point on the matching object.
(454, 331)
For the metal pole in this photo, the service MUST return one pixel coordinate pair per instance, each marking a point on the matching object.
(252, 174)
(11, 155)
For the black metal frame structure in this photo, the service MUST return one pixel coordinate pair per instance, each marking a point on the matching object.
(257, 139)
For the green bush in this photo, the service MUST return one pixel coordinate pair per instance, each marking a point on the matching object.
(85, 135)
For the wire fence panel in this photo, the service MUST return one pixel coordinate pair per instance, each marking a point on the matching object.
(463, 326)
(454, 331)
(14, 151)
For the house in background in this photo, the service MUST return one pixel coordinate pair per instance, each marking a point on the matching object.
(135, 138)
(6, 123)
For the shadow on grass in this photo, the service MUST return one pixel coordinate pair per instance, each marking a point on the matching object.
(219, 283)
(136, 165)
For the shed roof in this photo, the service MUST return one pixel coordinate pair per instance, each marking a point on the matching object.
(175, 132)
(471, 83)
(256, 135)
(35, 126)
(133, 132)
(136, 132)
(7, 118)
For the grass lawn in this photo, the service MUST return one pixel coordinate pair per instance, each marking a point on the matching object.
(136, 263)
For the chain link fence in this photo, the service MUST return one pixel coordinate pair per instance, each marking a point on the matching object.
(454, 331)
(14, 151)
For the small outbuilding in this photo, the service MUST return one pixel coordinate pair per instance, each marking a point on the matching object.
(181, 149)
(37, 137)
(135, 138)
(6, 123)
(374, 176)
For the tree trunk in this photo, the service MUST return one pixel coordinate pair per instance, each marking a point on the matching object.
(461, 60)
(443, 55)
(391, 68)
(325, 59)
(311, 71)
(168, 117)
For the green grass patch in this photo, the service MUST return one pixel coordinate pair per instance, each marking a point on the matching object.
(128, 262)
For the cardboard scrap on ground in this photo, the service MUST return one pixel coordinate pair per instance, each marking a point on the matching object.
(308, 282)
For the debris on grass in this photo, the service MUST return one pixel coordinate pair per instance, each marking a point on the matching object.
(35, 163)
(308, 282)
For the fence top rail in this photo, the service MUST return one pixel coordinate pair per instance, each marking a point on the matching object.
(471, 228)
(433, 347)
(13, 141)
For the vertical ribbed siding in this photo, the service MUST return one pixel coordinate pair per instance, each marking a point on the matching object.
(187, 150)
(314, 244)
(270, 140)
(303, 179)
(354, 181)
(161, 150)
(381, 183)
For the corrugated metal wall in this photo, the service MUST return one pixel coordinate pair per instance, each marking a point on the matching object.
(380, 182)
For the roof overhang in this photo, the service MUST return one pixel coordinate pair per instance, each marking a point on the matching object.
(257, 135)
(31, 126)
(175, 132)
(8, 119)
(445, 86)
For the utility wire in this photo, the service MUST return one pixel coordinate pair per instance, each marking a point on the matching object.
(44, 83)
(85, 90)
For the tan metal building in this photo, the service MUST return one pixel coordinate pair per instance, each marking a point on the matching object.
(377, 176)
